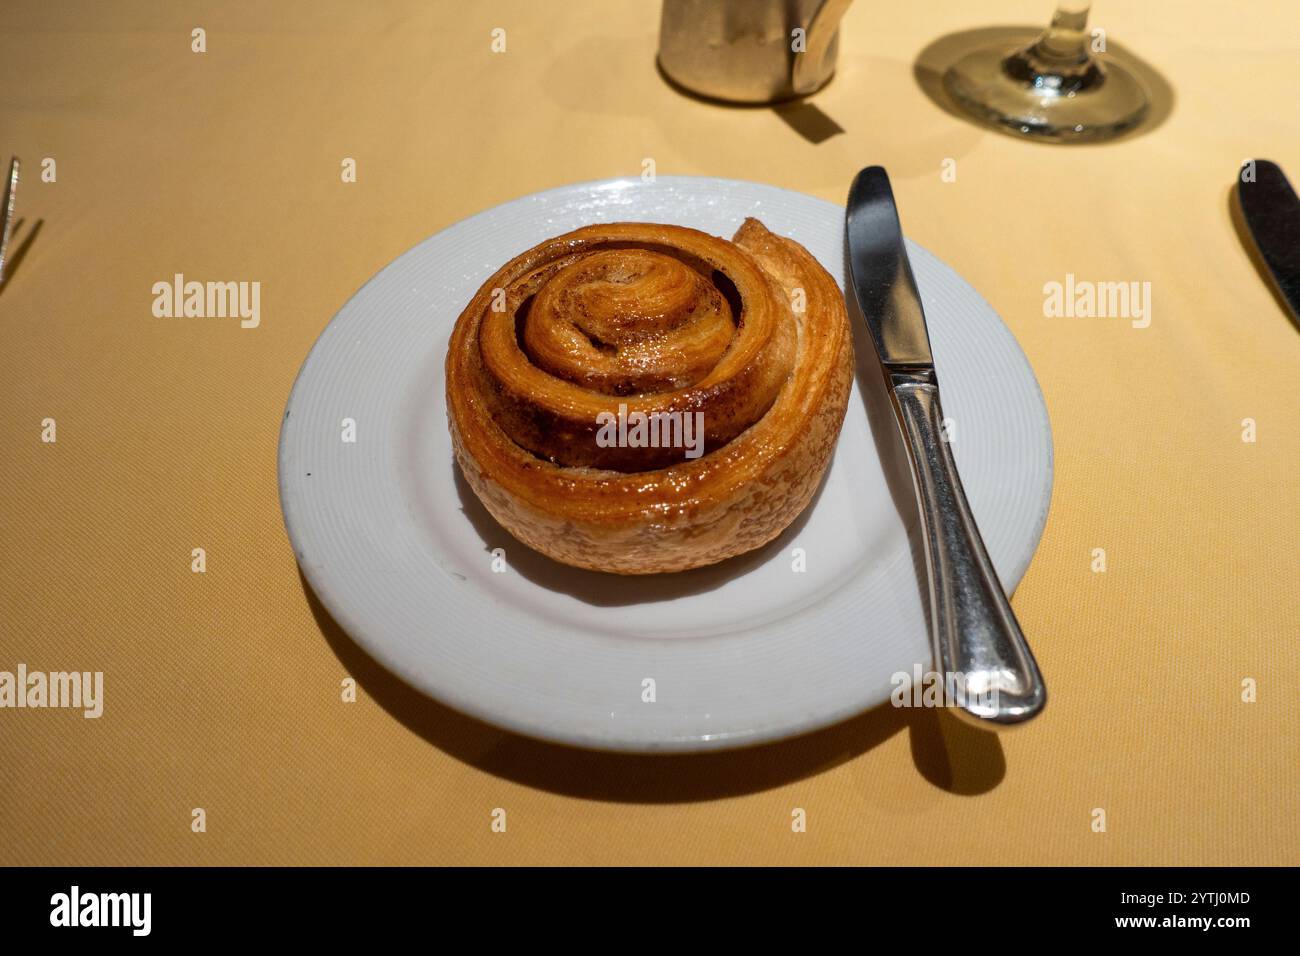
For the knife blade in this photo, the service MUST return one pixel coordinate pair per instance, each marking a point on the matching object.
(1272, 213)
(988, 671)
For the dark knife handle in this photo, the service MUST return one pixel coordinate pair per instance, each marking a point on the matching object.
(979, 651)
(1272, 213)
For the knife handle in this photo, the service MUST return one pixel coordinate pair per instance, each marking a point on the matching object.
(979, 650)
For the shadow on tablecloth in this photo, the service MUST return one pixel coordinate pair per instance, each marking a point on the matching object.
(949, 754)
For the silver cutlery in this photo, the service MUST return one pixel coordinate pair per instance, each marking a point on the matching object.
(7, 229)
(1272, 214)
(978, 647)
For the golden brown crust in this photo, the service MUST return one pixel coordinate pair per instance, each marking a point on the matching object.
(643, 315)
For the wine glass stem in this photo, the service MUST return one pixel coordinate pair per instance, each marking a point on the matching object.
(1059, 62)
(1066, 38)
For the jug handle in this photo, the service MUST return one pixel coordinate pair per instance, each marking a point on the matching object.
(821, 29)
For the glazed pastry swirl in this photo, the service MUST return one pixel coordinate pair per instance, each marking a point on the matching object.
(637, 324)
(747, 337)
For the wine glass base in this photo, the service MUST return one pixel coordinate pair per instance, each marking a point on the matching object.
(981, 86)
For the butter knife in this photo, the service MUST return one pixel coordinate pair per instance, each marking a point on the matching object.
(979, 651)
(1272, 213)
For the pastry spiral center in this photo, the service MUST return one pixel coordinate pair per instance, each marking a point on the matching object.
(628, 322)
(644, 325)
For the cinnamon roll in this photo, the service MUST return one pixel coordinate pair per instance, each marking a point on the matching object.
(643, 398)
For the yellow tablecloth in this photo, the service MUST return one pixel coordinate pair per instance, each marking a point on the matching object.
(222, 689)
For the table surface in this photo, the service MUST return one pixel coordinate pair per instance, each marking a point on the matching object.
(222, 689)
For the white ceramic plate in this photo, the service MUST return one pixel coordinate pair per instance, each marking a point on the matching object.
(399, 550)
